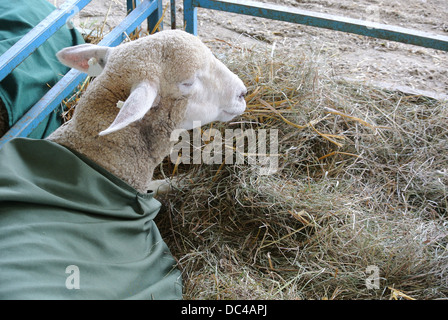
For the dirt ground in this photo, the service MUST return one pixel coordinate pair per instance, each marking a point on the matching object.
(379, 62)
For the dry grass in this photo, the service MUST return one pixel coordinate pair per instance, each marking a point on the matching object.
(362, 181)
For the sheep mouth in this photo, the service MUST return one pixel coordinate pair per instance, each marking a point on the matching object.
(234, 113)
(229, 115)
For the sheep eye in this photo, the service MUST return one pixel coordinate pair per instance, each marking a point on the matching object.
(186, 87)
(242, 95)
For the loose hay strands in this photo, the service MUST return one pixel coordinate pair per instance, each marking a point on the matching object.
(70, 103)
(357, 186)
(396, 295)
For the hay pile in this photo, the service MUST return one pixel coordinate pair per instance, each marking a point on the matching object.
(362, 181)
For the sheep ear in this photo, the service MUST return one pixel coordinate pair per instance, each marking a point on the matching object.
(88, 58)
(135, 107)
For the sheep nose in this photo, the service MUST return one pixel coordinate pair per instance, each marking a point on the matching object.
(242, 95)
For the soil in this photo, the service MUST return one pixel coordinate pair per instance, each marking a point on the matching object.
(379, 62)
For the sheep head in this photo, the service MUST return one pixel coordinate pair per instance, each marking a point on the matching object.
(170, 64)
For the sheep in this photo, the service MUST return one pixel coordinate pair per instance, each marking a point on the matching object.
(168, 81)
(77, 201)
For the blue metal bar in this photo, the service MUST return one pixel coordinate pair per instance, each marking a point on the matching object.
(191, 17)
(155, 17)
(173, 13)
(131, 5)
(321, 20)
(130, 23)
(36, 37)
(52, 99)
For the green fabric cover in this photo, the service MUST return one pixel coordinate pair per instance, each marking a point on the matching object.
(28, 83)
(58, 209)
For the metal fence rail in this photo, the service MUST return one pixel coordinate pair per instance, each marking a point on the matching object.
(153, 18)
(52, 99)
(35, 38)
(321, 20)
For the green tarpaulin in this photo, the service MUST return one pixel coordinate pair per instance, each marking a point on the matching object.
(26, 85)
(69, 229)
